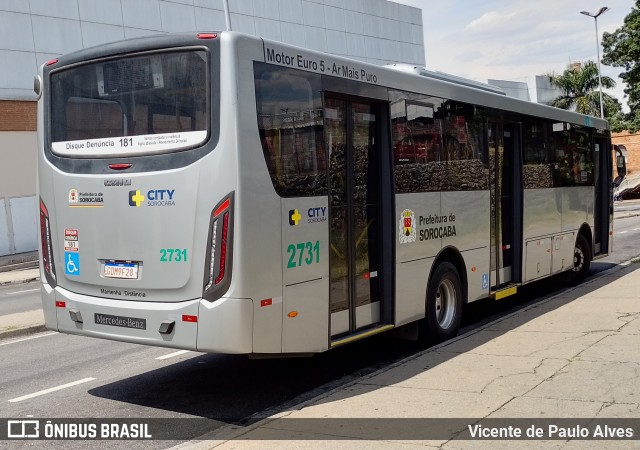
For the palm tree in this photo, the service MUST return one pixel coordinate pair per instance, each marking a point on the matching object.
(580, 90)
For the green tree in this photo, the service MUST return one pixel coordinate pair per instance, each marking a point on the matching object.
(622, 49)
(580, 90)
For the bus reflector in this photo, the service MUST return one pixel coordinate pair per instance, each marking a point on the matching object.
(51, 62)
(222, 207)
(207, 35)
(266, 302)
(188, 318)
(293, 314)
(61, 304)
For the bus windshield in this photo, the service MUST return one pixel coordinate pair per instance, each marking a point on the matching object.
(145, 104)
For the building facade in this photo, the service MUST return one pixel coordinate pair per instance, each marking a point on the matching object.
(631, 142)
(35, 31)
(515, 89)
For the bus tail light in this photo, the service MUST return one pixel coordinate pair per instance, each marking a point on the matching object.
(46, 245)
(219, 244)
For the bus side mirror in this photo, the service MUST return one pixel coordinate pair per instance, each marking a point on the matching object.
(621, 162)
(621, 166)
(37, 86)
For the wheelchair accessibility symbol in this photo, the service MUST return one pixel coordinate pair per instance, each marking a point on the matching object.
(485, 281)
(72, 263)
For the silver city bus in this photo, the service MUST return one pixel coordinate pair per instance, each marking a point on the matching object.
(225, 193)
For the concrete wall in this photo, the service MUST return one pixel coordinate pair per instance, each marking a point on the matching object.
(544, 91)
(18, 167)
(18, 206)
(515, 89)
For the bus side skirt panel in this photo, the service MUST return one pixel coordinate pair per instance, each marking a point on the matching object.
(226, 326)
(49, 306)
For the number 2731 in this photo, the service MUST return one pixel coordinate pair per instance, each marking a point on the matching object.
(303, 253)
(173, 255)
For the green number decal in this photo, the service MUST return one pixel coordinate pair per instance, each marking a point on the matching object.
(181, 255)
(305, 251)
(291, 249)
(309, 247)
(173, 255)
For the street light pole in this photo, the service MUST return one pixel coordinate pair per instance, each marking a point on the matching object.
(595, 16)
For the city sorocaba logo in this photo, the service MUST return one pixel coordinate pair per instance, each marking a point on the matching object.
(407, 227)
(135, 198)
(294, 217)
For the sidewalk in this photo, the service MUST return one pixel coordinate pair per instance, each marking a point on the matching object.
(574, 355)
(19, 276)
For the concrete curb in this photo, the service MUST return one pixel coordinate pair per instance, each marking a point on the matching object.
(34, 324)
(19, 332)
(21, 281)
(625, 216)
(21, 323)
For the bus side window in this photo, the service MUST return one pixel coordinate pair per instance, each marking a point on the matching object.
(537, 171)
(573, 152)
(467, 147)
(290, 122)
(418, 150)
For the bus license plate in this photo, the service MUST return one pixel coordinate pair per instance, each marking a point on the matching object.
(121, 270)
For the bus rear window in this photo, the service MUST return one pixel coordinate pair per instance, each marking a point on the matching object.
(148, 104)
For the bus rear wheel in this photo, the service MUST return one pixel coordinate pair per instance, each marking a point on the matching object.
(443, 305)
(581, 261)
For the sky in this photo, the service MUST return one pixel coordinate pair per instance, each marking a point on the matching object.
(516, 39)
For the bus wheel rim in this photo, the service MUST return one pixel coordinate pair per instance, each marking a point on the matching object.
(578, 259)
(445, 304)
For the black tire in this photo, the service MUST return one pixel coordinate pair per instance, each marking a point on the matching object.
(581, 261)
(443, 305)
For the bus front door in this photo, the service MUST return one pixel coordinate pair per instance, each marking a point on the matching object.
(354, 215)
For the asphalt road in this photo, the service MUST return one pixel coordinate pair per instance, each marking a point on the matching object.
(54, 375)
(19, 298)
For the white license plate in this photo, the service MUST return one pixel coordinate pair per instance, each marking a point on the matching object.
(121, 270)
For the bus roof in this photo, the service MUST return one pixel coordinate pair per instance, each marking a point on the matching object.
(404, 77)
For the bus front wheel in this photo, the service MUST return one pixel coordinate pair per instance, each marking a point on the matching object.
(443, 305)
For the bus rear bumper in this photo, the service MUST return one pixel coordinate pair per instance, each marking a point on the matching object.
(224, 326)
